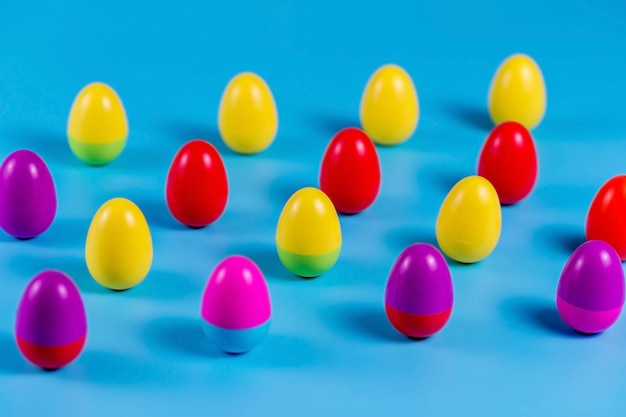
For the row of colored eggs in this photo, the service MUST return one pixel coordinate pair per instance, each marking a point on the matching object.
(51, 323)
(248, 119)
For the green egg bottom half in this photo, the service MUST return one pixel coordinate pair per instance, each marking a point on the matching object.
(97, 153)
(308, 266)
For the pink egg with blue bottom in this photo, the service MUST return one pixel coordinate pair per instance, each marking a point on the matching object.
(590, 293)
(236, 306)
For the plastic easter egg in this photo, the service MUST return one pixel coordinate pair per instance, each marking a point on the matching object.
(590, 294)
(389, 106)
(308, 235)
(350, 171)
(469, 221)
(247, 119)
(97, 126)
(606, 219)
(51, 325)
(418, 295)
(518, 92)
(197, 186)
(118, 250)
(236, 307)
(28, 201)
(508, 160)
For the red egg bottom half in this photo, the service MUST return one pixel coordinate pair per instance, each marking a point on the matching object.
(51, 357)
(584, 320)
(417, 326)
(508, 160)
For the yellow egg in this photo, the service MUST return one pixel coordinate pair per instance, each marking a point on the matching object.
(389, 106)
(308, 235)
(97, 126)
(469, 220)
(118, 250)
(248, 119)
(518, 92)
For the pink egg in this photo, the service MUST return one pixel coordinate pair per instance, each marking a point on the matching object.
(236, 307)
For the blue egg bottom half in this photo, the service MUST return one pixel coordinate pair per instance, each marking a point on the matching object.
(235, 341)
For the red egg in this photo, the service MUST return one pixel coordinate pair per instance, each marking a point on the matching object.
(606, 219)
(509, 161)
(197, 186)
(350, 172)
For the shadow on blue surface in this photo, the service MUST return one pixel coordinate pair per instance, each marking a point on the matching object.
(105, 368)
(160, 285)
(563, 238)
(330, 124)
(182, 131)
(403, 237)
(27, 266)
(537, 313)
(51, 145)
(470, 114)
(156, 212)
(285, 186)
(180, 335)
(266, 258)
(11, 362)
(445, 180)
(64, 233)
(363, 321)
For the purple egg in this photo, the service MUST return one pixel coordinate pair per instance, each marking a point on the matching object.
(51, 324)
(419, 294)
(590, 294)
(28, 201)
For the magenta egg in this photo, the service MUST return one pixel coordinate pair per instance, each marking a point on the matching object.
(236, 307)
(28, 200)
(51, 324)
(419, 294)
(590, 293)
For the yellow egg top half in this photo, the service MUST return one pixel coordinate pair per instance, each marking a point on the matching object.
(308, 224)
(97, 116)
(247, 118)
(118, 249)
(389, 106)
(518, 92)
(469, 221)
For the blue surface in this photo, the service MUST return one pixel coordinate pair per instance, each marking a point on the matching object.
(330, 350)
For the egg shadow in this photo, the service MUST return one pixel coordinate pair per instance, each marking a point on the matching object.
(282, 188)
(27, 266)
(330, 124)
(160, 285)
(445, 180)
(110, 368)
(180, 335)
(537, 313)
(561, 237)
(266, 258)
(181, 132)
(470, 114)
(362, 321)
(157, 214)
(50, 145)
(403, 237)
(11, 361)
(64, 233)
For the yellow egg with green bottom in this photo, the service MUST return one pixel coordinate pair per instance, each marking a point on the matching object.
(97, 127)
(247, 117)
(308, 234)
(389, 109)
(469, 221)
(518, 92)
(118, 250)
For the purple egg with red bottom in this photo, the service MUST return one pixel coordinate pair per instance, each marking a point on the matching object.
(590, 294)
(28, 201)
(419, 294)
(236, 307)
(51, 324)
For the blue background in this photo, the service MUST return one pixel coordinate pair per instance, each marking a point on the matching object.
(330, 350)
